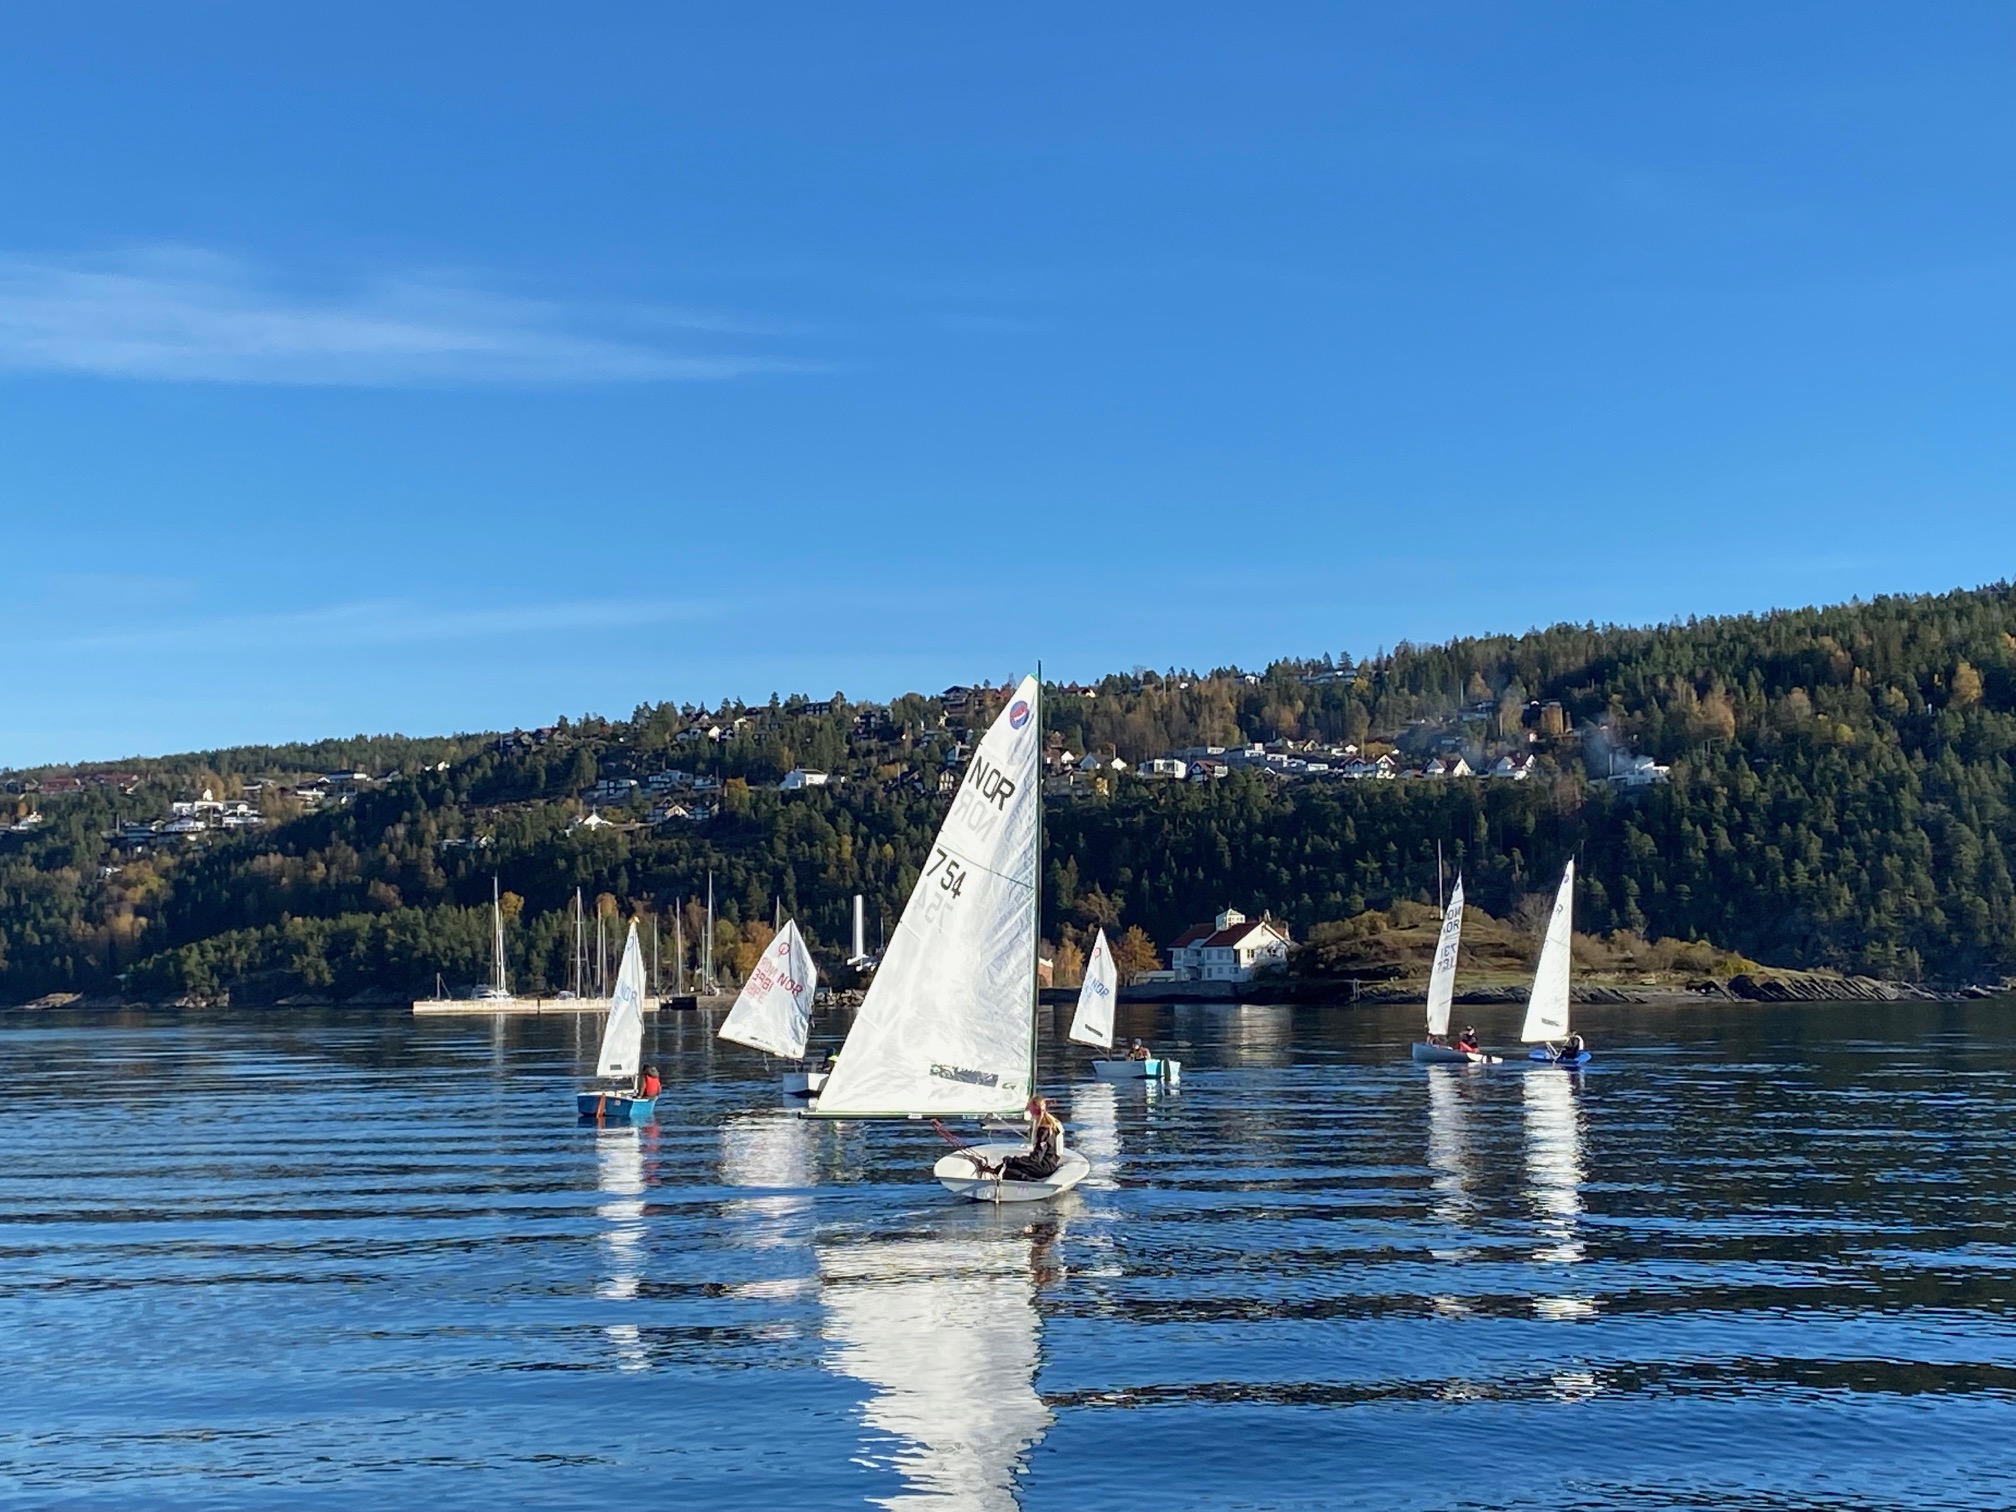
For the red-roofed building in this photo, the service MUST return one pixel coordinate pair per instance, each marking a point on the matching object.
(1232, 948)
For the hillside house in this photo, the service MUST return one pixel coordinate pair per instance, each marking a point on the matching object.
(1514, 768)
(1166, 767)
(1231, 948)
(1636, 772)
(799, 778)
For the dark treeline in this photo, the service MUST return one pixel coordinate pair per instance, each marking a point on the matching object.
(1840, 795)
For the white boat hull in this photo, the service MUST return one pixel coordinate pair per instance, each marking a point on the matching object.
(958, 1175)
(1449, 1055)
(803, 1084)
(1155, 1068)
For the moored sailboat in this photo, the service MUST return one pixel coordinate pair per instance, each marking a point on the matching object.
(622, 1050)
(948, 1028)
(1546, 1025)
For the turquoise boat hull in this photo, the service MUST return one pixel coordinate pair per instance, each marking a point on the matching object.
(614, 1107)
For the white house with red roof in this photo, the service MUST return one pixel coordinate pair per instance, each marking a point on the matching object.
(1231, 948)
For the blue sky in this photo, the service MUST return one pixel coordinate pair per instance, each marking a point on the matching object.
(431, 368)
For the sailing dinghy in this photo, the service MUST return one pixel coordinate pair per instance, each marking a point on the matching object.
(948, 1028)
(1547, 1007)
(622, 1045)
(1092, 1024)
(1442, 991)
(774, 1012)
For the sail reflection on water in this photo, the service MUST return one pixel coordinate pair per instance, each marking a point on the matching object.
(770, 1157)
(943, 1330)
(1450, 1171)
(1095, 1129)
(1554, 1180)
(619, 1160)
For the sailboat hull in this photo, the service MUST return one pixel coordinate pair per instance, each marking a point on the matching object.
(1546, 1057)
(1155, 1068)
(956, 1174)
(803, 1084)
(614, 1107)
(1449, 1055)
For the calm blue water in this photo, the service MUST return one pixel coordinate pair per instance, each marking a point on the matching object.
(1754, 1258)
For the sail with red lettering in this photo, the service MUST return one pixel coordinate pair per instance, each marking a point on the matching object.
(774, 1012)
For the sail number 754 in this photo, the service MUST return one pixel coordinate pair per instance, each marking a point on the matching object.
(950, 874)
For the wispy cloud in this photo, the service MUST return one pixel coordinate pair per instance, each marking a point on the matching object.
(388, 622)
(179, 315)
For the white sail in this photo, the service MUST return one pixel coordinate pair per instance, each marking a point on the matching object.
(1092, 1024)
(1547, 1008)
(623, 1035)
(1442, 979)
(948, 1025)
(774, 1012)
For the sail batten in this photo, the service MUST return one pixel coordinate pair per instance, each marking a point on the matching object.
(1547, 1008)
(1442, 978)
(946, 1026)
(774, 1011)
(623, 1034)
(1092, 1024)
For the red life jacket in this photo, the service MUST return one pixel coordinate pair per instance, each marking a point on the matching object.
(651, 1086)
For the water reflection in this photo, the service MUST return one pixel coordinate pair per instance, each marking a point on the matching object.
(772, 1152)
(1095, 1129)
(1448, 1144)
(1254, 1034)
(1554, 1177)
(619, 1160)
(943, 1329)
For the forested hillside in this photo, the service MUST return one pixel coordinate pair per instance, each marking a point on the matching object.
(1840, 794)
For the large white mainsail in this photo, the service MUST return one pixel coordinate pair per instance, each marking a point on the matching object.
(623, 1035)
(1547, 1008)
(1442, 978)
(774, 1012)
(1092, 1024)
(948, 1025)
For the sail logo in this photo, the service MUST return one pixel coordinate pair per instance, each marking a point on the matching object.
(970, 1077)
(1098, 989)
(1018, 714)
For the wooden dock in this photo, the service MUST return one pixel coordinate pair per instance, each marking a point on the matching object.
(490, 1007)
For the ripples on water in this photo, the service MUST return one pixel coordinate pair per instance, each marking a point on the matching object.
(1752, 1258)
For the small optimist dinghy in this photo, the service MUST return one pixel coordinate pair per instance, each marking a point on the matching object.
(622, 1046)
(774, 1011)
(963, 1172)
(1442, 992)
(1092, 1024)
(948, 1029)
(1547, 1008)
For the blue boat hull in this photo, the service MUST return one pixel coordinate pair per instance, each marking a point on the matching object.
(614, 1107)
(1558, 1060)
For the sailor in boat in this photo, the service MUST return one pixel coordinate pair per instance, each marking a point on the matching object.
(1570, 1051)
(648, 1085)
(1138, 1051)
(1046, 1141)
(1467, 1041)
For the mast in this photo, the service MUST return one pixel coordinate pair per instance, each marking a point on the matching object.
(580, 947)
(497, 925)
(655, 988)
(1036, 892)
(1441, 907)
(707, 943)
(679, 944)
